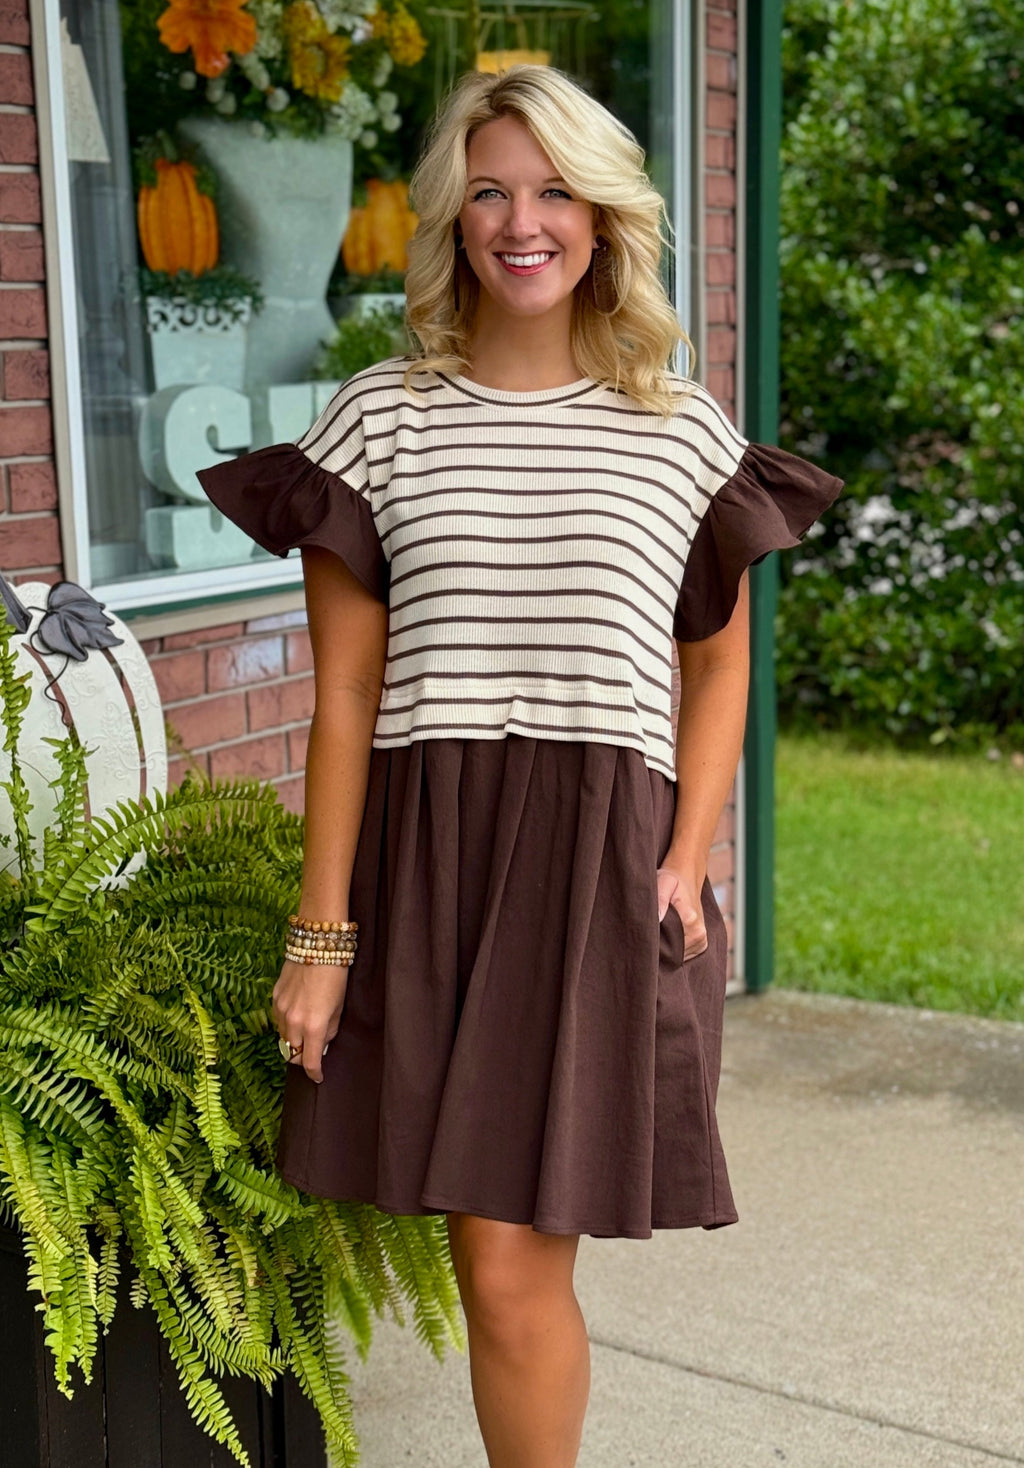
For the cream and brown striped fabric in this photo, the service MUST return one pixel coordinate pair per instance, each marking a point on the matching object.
(537, 545)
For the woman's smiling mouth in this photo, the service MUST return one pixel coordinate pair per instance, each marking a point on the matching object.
(526, 264)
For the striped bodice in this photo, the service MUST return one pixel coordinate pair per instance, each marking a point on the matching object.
(537, 545)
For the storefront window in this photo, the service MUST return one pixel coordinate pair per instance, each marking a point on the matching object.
(239, 222)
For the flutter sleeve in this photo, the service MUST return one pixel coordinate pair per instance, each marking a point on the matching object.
(768, 503)
(313, 492)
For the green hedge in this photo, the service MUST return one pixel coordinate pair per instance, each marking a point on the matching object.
(903, 364)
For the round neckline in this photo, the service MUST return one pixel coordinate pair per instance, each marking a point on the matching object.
(477, 390)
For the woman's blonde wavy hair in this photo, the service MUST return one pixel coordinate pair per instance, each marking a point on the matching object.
(624, 329)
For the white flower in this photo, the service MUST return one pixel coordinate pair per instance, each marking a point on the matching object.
(368, 139)
(391, 123)
(215, 89)
(187, 81)
(387, 102)
(257, 129)
(227, 104)
(254, 71)
(267, 15)
(385, 66)
(353, 112)
(277, 100)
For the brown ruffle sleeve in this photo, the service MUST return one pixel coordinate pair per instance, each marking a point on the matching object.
(769, 504)
(283, 500)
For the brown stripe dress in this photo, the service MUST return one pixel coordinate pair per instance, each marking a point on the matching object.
(521, 1039)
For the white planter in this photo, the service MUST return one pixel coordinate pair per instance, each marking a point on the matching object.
(192, 343)
(283, 204)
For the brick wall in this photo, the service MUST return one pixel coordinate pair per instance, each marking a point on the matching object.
(237, 700)
(29, 533)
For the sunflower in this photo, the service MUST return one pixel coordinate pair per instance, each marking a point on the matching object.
(211, 29)
(319, 61)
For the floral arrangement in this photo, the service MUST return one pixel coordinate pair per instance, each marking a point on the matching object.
(306, 65)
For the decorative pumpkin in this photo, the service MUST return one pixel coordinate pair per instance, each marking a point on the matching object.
(177, 223)
(378, 235)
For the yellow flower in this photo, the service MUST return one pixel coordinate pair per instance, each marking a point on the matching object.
(378, 23)
(319, 61)
(211, 29)
(406, 41)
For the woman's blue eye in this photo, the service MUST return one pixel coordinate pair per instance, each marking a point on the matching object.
(482, 193)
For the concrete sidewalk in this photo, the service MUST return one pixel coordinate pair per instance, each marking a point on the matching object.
(866, 1312)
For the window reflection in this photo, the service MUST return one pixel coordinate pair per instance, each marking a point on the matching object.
(240, 231)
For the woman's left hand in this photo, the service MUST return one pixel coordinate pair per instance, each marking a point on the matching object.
(683, 893)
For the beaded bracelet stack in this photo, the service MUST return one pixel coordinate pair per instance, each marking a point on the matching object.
(325, 943)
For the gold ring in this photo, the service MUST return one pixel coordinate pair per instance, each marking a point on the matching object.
(287, 1049)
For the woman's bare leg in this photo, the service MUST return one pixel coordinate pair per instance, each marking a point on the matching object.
(529, 1355)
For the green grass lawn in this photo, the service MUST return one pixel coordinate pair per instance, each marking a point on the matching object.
(900, 876)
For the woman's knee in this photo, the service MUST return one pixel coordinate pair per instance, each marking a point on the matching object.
(509, 1275)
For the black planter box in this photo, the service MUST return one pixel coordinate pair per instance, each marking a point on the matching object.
(133, 1414)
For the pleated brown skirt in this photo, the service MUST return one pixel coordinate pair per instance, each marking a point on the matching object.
(520, 1039)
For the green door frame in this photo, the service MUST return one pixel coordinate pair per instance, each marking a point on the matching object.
(763, 136)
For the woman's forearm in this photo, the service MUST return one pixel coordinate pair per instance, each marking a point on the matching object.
(337, 770)
(709, 740)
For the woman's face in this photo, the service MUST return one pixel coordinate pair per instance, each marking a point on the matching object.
(528, 238)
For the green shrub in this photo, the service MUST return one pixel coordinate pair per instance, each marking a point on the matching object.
(903, 363)
(140, 1097)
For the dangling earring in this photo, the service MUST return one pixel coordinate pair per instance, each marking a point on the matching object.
(606, 290)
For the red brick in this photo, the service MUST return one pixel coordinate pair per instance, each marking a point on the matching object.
(721, 110)
(14, 23)
(722, 33)
(292, 791)
(20, 202)
(298, 739)
(180, 766)
(726, 829)
(721, 345)
(180, 675)
(261, 758)
(281, 703)
(22, 313)
(721, 308)
(720, 190)
(251, 661)
(33, 487)
(721, 73)
(26, 375)
(720, 151)
(721, 865)
(19, 142)
(29, 541)
(300, 653)
(721, 269)
(25, 431)
(202, 634)
(277, 622)
(150, 646)
(720, 231)
(21, 255)
(721, 384)
(208, 721)
(16, 78)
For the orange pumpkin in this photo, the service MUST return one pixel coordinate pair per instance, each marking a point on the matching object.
(177, 223)
(378, 235)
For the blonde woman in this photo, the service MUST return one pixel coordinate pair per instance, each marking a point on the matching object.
(501, 536)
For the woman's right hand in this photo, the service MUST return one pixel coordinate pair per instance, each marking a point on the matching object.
(307, 1005)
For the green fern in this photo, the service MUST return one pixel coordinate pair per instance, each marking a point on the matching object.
(140, 1101)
